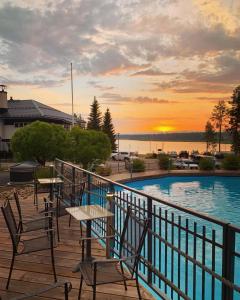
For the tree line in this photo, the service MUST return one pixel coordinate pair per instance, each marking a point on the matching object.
(225, 117)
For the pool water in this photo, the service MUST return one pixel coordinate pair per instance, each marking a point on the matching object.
(216, 196)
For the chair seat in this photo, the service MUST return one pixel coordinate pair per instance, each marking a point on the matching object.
(37, 244)
(106, 272)
(36, 224)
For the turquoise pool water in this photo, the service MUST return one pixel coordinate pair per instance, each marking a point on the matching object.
(216, 196)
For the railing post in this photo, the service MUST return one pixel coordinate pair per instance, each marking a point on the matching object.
(89, 223)
(149, 239)
(73, 182)
(228, 261)
(110, 222)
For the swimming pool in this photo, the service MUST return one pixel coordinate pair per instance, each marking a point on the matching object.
(217, 196)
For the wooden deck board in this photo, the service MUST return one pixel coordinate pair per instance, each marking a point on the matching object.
(34, 271)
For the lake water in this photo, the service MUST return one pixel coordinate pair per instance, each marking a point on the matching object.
(143, 147)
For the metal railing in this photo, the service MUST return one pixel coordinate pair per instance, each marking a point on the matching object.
(187, 254)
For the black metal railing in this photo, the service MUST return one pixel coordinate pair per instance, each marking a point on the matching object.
(187, 254)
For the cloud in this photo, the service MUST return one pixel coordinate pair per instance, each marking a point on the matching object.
(141, 39)
(152, 72)
(118, 99)
(35, 82)
(99, 86)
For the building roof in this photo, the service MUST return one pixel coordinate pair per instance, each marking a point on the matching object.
(32, 109)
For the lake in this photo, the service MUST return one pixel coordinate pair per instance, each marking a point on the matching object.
(143, 147)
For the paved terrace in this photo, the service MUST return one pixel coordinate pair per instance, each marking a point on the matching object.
(34, 271)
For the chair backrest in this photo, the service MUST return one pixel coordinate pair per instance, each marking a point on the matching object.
(79, 191)
(11, 223)
(16, 197)
(132, 239)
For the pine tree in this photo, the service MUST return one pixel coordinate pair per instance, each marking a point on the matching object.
(210, 137)
(219, 116)
(94, 119)
(108, 128)
(234, 120)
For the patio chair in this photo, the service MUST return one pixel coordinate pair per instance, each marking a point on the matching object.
(20, 246)
(31, 224)
(39, 189)
(66, 199)
(30, 295)
(97, 272)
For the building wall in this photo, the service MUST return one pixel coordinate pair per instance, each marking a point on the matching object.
(8, 131)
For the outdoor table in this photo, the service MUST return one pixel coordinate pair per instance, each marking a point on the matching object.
(88, 213)
(51, 182)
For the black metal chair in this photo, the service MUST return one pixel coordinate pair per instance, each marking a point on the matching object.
(20, 247)
(39, 189)
(64, 200)
(31, 224)
(97, 272)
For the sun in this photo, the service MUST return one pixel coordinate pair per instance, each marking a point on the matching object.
(164, 128)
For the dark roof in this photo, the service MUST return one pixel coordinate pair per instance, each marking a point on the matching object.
(32, 109)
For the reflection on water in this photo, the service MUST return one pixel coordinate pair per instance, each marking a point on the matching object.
(216, 196)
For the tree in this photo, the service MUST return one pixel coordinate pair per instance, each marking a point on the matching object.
(218, 117)
(87, 146)
(234, 120)
(39, 141)
(94, 119)
(108, 128)
(210, 137)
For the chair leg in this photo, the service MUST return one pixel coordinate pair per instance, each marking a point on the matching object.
(69, 222)
(124, 281)
(10, 271)
(80, 288)
(65, 291)
(138, 288)
(53, 265)
(57, 229)
(81, 230)
(94, 292)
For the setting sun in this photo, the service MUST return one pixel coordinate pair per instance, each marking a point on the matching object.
(164, 128)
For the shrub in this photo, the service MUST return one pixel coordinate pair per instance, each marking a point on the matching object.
(138, 165)
(39, 141)
(103, 170)
(151, 155)
(165, 162)
(207, 164)
(231, 162)
(87, 146)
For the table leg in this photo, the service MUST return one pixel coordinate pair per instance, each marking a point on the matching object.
(88, 244)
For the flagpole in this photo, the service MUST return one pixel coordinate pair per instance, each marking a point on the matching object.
(72, 96)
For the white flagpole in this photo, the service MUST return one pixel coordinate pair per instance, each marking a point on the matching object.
(72, 96)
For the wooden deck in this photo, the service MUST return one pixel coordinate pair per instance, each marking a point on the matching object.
(33, 271)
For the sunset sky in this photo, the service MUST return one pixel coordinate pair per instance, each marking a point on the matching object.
(159, 65)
